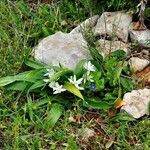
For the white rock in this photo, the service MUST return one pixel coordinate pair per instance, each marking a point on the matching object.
(137, 102)
(138, 64)
(62, 48)
(88, 23)
(141, 37)
(105, 46)
(114, 23)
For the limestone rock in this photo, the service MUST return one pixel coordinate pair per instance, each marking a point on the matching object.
(62, 48)
(138, 64)
(137, 102)
(142, 37)
(88, 23)
(114, 23)
(105, 46)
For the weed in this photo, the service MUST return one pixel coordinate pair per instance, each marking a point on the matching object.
(29, 121)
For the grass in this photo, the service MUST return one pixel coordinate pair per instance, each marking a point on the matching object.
(22, 26)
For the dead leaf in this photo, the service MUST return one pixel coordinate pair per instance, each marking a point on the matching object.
(78, 118)
(109, 143)
(112, 112)
(119, 103)
(139, 26)
(144, 76)
(63, 23)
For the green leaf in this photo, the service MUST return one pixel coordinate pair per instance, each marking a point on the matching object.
(96, 55)
(100, 84)
(7, 80)
(73, 89)
(119, 54)
(97, 104)
(109, 97)
(29, 76)
(79, 69)
(34, 64)
(122, 116)
(96, 75)
(117, 73)
(18, 86)
(29, 107)
(60, 73)
(41, 102)
(126, 83)
(53, 116)
(37, 84)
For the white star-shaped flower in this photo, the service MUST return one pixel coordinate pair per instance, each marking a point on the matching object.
(77, 83)
(56, 87)
(50, 73)
(89, 67)
(46, 80)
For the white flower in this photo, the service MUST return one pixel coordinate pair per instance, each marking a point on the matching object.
(89, 67)
(50, 73)
(73, 80)
(46, 80)
(56, 87)
(87, 77)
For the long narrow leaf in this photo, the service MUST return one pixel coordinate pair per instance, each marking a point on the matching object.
(18, 86)
(53, 116)
(37, 84)
(97, 104)
(7, 80)
(29, 76)
(41, 102)
(60, 73)
(34, 64)
(79, 69)
(71, 88)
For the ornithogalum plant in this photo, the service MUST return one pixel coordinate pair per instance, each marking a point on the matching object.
(95, 83)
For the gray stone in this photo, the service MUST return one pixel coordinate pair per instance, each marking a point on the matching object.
(105, 46)
(114, 24)
(138, 64)
(88, 23)
(142, 37)
(137, 102)
(62, 48)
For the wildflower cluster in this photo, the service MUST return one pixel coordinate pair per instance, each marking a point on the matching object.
(78, 83)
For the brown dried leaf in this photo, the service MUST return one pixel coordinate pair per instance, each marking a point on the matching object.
(119, 103)
(144, 76)
(78, 118)
(112, 112)
(139, 26)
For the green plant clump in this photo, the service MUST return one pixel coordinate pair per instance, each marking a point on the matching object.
(96, 84)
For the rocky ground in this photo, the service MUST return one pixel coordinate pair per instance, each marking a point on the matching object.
(114, 30)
